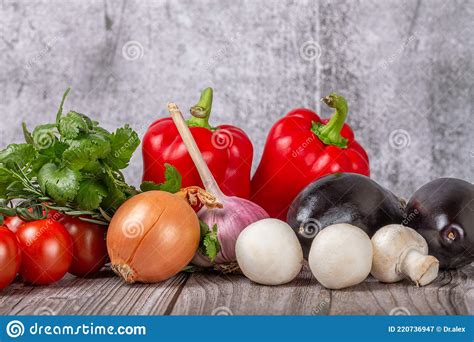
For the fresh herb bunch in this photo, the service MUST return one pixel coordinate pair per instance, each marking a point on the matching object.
(72, 166)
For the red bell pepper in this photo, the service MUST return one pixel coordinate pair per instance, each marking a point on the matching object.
(301, 148)
(226, 149)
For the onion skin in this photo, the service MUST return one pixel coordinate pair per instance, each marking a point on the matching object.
(152, 236)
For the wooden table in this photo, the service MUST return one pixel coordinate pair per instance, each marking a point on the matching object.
(210, 293)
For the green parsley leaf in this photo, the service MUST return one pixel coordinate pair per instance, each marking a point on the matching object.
(61, 184)
(74, 124)
(44, 136)
(211, 243)
(17, 154)
(204, 228)
(77, 156)
(171, 184)
(100, 146)
(150, 186)
(5, 180)
(84, 152)
(116, 195)
(173, 179)
(124, 141)
(100, 130)
(93, 166)
(55, 151)
(39, 161)
(90, 195)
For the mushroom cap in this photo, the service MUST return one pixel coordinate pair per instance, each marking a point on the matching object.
(269, 253)
(391, 243)
(340, 256)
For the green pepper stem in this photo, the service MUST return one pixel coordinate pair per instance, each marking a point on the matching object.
(330, 134)
(202, 110)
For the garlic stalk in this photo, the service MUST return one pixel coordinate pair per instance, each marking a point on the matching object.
(237, 213)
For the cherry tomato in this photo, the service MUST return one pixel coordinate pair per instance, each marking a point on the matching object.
(13, 222)
(10, 257)
(54, 215)
(89, 246)
(46, 249)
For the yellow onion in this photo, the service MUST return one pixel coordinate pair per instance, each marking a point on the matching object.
(153, 235)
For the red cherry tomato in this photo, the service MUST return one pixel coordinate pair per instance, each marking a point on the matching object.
(54, 215)
(89, 246)
(10, 257)
(12, 223)
(46, 249)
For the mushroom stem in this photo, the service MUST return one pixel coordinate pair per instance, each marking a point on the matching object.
(421, 269)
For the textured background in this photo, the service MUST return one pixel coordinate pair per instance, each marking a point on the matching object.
(406, 68)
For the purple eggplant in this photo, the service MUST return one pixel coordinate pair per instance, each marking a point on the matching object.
(342, 198)
(442, 211)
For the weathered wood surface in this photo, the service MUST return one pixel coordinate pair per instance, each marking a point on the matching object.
(218, 294)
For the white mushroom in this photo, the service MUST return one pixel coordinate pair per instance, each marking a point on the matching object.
(269, 253)
(340, 256)
(400, 252)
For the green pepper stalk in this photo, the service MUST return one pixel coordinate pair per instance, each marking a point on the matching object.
(202, 110)
(330, 134)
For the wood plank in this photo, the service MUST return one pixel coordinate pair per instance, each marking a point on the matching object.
(205, 293)
(211, 293)
(208, 293)
(104, 294)
(447, 295)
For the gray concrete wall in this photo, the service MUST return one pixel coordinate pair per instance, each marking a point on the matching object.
(406, 68)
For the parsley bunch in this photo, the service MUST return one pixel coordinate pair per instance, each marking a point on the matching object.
(72, 165)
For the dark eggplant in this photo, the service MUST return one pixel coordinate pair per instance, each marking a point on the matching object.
(342, 198)
(442, 211)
